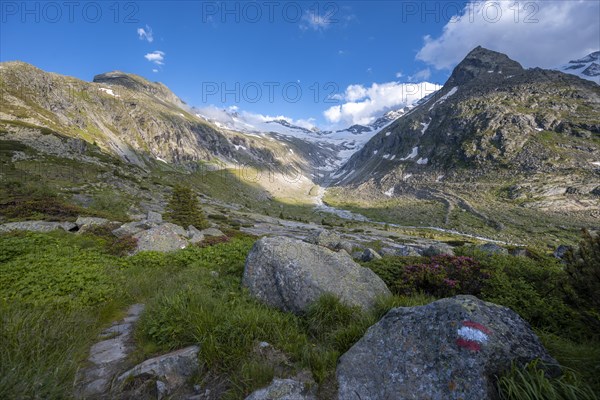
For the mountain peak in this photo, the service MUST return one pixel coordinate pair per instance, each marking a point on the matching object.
(138, 84)
(482, 62)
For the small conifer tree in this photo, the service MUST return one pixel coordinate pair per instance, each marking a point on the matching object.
(183, 208)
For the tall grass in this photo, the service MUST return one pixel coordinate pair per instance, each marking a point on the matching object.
(40, 348)
(531, 383)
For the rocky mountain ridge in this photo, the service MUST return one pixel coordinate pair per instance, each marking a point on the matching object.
(491, 119)
(139, 121)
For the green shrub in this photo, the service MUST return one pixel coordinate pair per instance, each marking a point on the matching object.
(52, 269)
(120, 247)
(443, 276)
(533, 289)
(183, 208)
(439, 276)
(583, 272)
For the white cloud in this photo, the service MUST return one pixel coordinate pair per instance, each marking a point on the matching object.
(421, 75)
(145, 34)
(535, 33)
(155, 70)
(157, 57)
(364, 104)
(314, 21)
(399, 74)
(249, 120)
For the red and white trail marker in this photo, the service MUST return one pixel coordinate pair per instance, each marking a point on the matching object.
(471, 335)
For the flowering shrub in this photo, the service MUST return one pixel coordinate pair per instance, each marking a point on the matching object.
(213, 240)
(443, 276)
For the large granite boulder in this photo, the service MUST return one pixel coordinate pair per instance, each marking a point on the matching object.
(164, 238)
(290, 274)
(449, 349)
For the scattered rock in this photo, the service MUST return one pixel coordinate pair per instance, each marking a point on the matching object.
(212, 232)
(438, 249)
(561, 251)
(108, 356)
(286, 389)
(519, 252)
(194, 234)
(492, 248)
(164, 238)
(130, 229)
(345, 245)
(154, 217)
(37, 226)
(369, 255)
(324, 238)
(290, 274)
(449, 349)
(171, 370)
(86, 221)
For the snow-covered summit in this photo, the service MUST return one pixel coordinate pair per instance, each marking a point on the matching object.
(587, 67)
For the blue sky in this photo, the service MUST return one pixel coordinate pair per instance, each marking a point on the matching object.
(200, 48)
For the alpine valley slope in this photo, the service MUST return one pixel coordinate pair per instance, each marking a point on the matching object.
(499, 149)
(143, 126)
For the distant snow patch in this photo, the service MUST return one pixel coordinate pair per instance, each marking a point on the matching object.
(444, 97)
(388, 133)
(422, 161)
(109, 91)
(413, 154)
(389, 192)
(425, 126)
(375, 152)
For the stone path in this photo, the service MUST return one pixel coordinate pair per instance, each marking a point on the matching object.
(108, 356)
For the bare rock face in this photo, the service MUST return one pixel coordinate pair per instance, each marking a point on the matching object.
(291, 274)
(449, 349)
